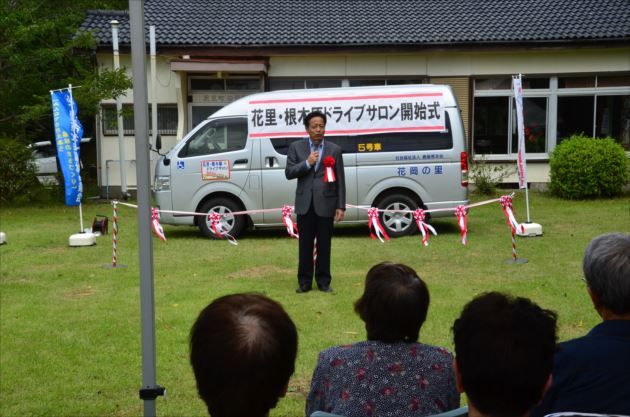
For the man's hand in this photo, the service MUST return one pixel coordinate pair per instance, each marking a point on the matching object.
(312, 158)
(339, 213)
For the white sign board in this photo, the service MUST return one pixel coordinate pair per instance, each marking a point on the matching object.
(349, 114)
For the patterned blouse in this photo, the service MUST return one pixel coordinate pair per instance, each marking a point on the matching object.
(374, 378)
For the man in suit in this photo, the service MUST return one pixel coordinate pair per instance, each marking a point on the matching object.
(320, 199)
(591, 374)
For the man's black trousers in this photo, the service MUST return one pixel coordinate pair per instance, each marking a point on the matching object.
(311, 226)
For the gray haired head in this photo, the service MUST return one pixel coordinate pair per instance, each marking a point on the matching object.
(607, 271)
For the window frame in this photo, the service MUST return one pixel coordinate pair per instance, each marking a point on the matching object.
(552, 93)
(128, 120)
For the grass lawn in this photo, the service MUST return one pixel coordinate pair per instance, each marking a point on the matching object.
(70, 328)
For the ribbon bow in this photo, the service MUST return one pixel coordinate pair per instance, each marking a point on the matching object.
(292, 229)
(460, 212)
(219, 228)
(329, 173)
(155, 223)
(506, 203)
(419, 217)
(375, 225)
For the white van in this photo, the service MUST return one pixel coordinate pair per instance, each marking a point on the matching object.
(403, 148)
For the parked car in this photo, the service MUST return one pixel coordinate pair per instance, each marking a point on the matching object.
(45, 158)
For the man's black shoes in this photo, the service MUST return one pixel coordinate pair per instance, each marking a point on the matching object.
(325, 289)
(302, 290)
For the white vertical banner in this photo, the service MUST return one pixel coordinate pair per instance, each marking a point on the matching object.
(521, 158)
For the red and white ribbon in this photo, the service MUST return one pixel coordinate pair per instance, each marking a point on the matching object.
(506, 203)
(292, 228)
(219, 228)
(419, 217)
(460, 212)
(155, 223)
(376, 230)
(329, 173)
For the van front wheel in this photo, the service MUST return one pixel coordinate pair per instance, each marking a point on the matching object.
(234, 225)
(397, 224)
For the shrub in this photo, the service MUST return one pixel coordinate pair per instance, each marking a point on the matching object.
(18, 181)
(584, 167)
(487, 176)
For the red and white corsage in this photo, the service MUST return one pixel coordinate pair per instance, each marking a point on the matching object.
(329, 172)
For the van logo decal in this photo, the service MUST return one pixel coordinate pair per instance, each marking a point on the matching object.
(215, 169)
(180, 164)
(415, 171)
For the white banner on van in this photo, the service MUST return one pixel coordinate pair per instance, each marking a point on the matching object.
(349, 115)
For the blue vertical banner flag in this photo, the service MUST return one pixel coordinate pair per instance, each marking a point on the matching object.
(68, 134)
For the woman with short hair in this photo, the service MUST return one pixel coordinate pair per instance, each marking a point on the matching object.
(391, 373)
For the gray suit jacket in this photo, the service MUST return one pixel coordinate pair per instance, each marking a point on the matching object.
(326, 197)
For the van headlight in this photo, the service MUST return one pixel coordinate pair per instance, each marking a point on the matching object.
(162, 183)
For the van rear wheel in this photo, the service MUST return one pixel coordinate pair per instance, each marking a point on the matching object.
(397, 224)
(224, 206)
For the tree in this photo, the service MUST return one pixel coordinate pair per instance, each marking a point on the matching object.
(40, 50)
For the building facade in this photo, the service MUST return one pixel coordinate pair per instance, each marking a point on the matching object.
(574, 57)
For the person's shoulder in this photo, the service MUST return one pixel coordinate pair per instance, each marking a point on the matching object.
(438, 351)
(575, 414)
(296, 143)
(337, 355)
(334, 146)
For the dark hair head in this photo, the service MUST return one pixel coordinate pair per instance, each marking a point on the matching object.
(315, 113)
(504, 349)
(394, 303)
(242, 350)
(607, 271)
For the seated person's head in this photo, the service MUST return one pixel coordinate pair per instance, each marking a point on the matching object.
(504, 350)
(394, 303)
(607, 274)
(242, 350)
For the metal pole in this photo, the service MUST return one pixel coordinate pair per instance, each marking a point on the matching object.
(121, 142)
(76, 144)
(149, 390)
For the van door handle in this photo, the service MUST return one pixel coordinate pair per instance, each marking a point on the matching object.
(271, 162)
(240, 161)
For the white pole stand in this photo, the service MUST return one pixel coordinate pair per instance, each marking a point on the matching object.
(530, 229)
(82, 239)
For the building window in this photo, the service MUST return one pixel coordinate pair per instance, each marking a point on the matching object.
(554, 108)
(166, 119)
(535, 121)
(613, 119)
(198, 83)
(301, 83)
(575, 116)
(383, 81)
(491, 125)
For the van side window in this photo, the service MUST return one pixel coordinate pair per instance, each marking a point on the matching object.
(382, 142)
(215, 137)
(406, 141)
(347, 143)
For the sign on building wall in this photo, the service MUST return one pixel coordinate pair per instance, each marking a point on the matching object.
(349, 114)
